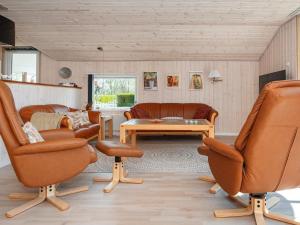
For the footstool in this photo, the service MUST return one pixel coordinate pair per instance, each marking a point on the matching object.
(118, 151)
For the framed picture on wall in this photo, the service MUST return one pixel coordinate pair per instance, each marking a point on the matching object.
(150, 81)
(196, 82)
(173, 80)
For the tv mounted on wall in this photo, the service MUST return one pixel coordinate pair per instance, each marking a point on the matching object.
(7, 32)
(267, 78)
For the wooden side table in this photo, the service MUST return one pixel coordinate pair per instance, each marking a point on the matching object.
(106, 121)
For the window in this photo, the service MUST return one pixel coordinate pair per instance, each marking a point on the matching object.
(21, 65)
(111, 92)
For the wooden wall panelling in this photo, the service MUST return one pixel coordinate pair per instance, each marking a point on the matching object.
(233, 97)
(281, 53)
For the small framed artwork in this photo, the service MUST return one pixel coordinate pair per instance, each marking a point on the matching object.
(173, 81)
(150, 81)
(196, 82)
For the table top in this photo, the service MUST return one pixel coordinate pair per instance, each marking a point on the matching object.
(166, 122)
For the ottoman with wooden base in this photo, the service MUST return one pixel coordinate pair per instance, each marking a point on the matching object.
(118, 150)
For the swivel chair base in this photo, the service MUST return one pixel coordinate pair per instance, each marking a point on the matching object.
(118, 176)
(258, 208)
(48, 193)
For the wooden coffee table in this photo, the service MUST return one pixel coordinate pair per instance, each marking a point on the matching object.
(164, 127)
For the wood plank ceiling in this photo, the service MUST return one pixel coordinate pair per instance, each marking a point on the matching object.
(148, 29)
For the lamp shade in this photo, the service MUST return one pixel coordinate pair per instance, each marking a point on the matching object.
(214, 74)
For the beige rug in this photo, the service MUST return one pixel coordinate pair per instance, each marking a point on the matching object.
(161, 154)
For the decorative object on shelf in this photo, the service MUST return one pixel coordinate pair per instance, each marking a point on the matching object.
(215, 76)
(150, 81)
(196, 82)
(173, 81)
(65, 72)
(68, 84)
(6, 77)
(24, 76)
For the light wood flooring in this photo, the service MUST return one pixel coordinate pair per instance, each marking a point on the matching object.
(163, 199)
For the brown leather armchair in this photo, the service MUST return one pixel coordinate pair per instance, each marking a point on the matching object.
(265, 157)
(41, 165)
(89, 132)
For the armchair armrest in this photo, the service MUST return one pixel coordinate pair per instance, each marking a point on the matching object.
(128, 115)
(94, 116)
(66, 123)
(57, 134)
(223, 149)
(226, 164)
(212, 116)
(51, 146)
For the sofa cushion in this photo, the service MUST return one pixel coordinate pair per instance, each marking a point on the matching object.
(59, 108)
(191, 108)
(171, 110)
(140, 113)
(87, 131)
(153, 109)
(202, 113)
(78, 118)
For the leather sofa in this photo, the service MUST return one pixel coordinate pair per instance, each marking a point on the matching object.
(265, 156)
(162, 110)
(89, 132)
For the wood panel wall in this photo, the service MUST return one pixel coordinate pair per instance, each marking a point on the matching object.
(233, 97)
(281, 53)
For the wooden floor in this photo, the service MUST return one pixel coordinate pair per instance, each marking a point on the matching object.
(163, 199)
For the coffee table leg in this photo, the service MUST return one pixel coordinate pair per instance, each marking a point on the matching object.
(211, 131)
(122, 135)
(133, 138)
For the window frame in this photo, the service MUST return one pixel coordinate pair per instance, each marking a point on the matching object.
(7, 62)
(112, 75)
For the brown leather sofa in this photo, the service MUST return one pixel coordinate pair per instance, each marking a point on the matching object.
(41, 165)
(161, 110)
(88, 131)
(265, 156)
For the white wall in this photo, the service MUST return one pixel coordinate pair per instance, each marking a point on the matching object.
(25, 94)
(281, 53)
(233, 97)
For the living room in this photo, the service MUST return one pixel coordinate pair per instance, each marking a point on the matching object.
(166, 91)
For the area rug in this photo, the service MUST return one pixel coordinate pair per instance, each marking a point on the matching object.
(161, 154)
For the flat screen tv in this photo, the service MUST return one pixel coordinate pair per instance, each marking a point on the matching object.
(267, 78)
(7, 31)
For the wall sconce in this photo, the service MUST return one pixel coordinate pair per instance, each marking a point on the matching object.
(215, 76)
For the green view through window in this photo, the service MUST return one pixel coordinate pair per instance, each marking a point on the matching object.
(111, 92)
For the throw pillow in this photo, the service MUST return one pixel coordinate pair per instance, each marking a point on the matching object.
(201, 113)
(78, 118)
(140, 113)
(32, 133)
